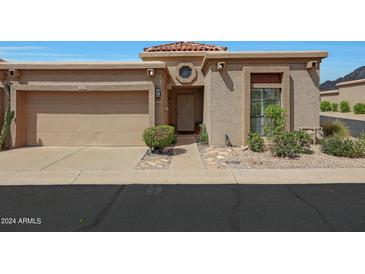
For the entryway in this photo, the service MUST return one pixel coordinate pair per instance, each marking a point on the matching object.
(185, 112)
(186, 108)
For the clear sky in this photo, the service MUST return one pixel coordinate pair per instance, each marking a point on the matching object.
(343, 58)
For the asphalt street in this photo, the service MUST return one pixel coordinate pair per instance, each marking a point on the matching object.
(339, 207)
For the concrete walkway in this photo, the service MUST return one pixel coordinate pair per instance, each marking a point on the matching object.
(186, 154)
(220, 176)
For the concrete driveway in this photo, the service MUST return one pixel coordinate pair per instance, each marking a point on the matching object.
(70, 158)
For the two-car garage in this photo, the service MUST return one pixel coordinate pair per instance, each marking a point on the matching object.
(84, 103)
(98, 118)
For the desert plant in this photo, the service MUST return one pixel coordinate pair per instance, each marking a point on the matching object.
(361, 136)
(343, 147)
(9, 115)
(285, 144)
(304, 140)
(159, 137)
(335, 127)
(325, 106)
(274, 120)
(255, 142)
(359, 108)
(334, 107)
(344, 106)
(203, 137)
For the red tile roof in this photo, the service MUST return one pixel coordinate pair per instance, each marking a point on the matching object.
(185, 46)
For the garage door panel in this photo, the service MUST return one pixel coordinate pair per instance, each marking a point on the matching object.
(45, 98)
(122, 108)
(109, 119)
(109, 123)
(86, 139)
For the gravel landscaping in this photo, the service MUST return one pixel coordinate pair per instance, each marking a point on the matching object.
(155, 160)
(214, 157)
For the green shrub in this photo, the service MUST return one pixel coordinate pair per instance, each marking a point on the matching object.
(359, 108)
(325, 106)
(285, 144)
(203, 137)
(8, 118)
(274, 120)
(334, 107)
(304, 140)
(343, 147)
(159, 137)
(344, 106)
(335, 127)
(255, 142)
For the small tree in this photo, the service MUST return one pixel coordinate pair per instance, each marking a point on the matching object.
(9, 115)
(274, 120)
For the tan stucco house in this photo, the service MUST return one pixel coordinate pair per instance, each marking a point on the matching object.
(350, 91)
(182, 84)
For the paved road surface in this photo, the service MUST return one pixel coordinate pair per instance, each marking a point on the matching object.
(185, 208)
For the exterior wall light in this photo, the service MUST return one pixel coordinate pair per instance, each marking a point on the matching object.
(151, 72)
(312, 64)
(221, 65)
(158, 93)
(14, 73)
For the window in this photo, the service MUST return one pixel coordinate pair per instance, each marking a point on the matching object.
(185, 72)
(260, 99)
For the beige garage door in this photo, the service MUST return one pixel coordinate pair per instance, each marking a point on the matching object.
(74, 118)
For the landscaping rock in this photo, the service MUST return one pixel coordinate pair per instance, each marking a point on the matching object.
(157, 161)
(243, 158)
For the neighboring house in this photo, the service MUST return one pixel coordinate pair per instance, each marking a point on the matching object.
(351, 91)
(182, 84)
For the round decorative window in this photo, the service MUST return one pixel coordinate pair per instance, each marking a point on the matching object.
(185, 72)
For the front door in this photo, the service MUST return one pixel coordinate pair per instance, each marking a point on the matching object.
(185, 112)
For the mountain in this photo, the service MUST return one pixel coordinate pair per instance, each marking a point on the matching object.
(357, 74)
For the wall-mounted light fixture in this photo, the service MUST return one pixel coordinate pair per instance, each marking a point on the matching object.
(312, 64)
(151, 72)
(221, 65)
(14, 73)
(157, 92)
